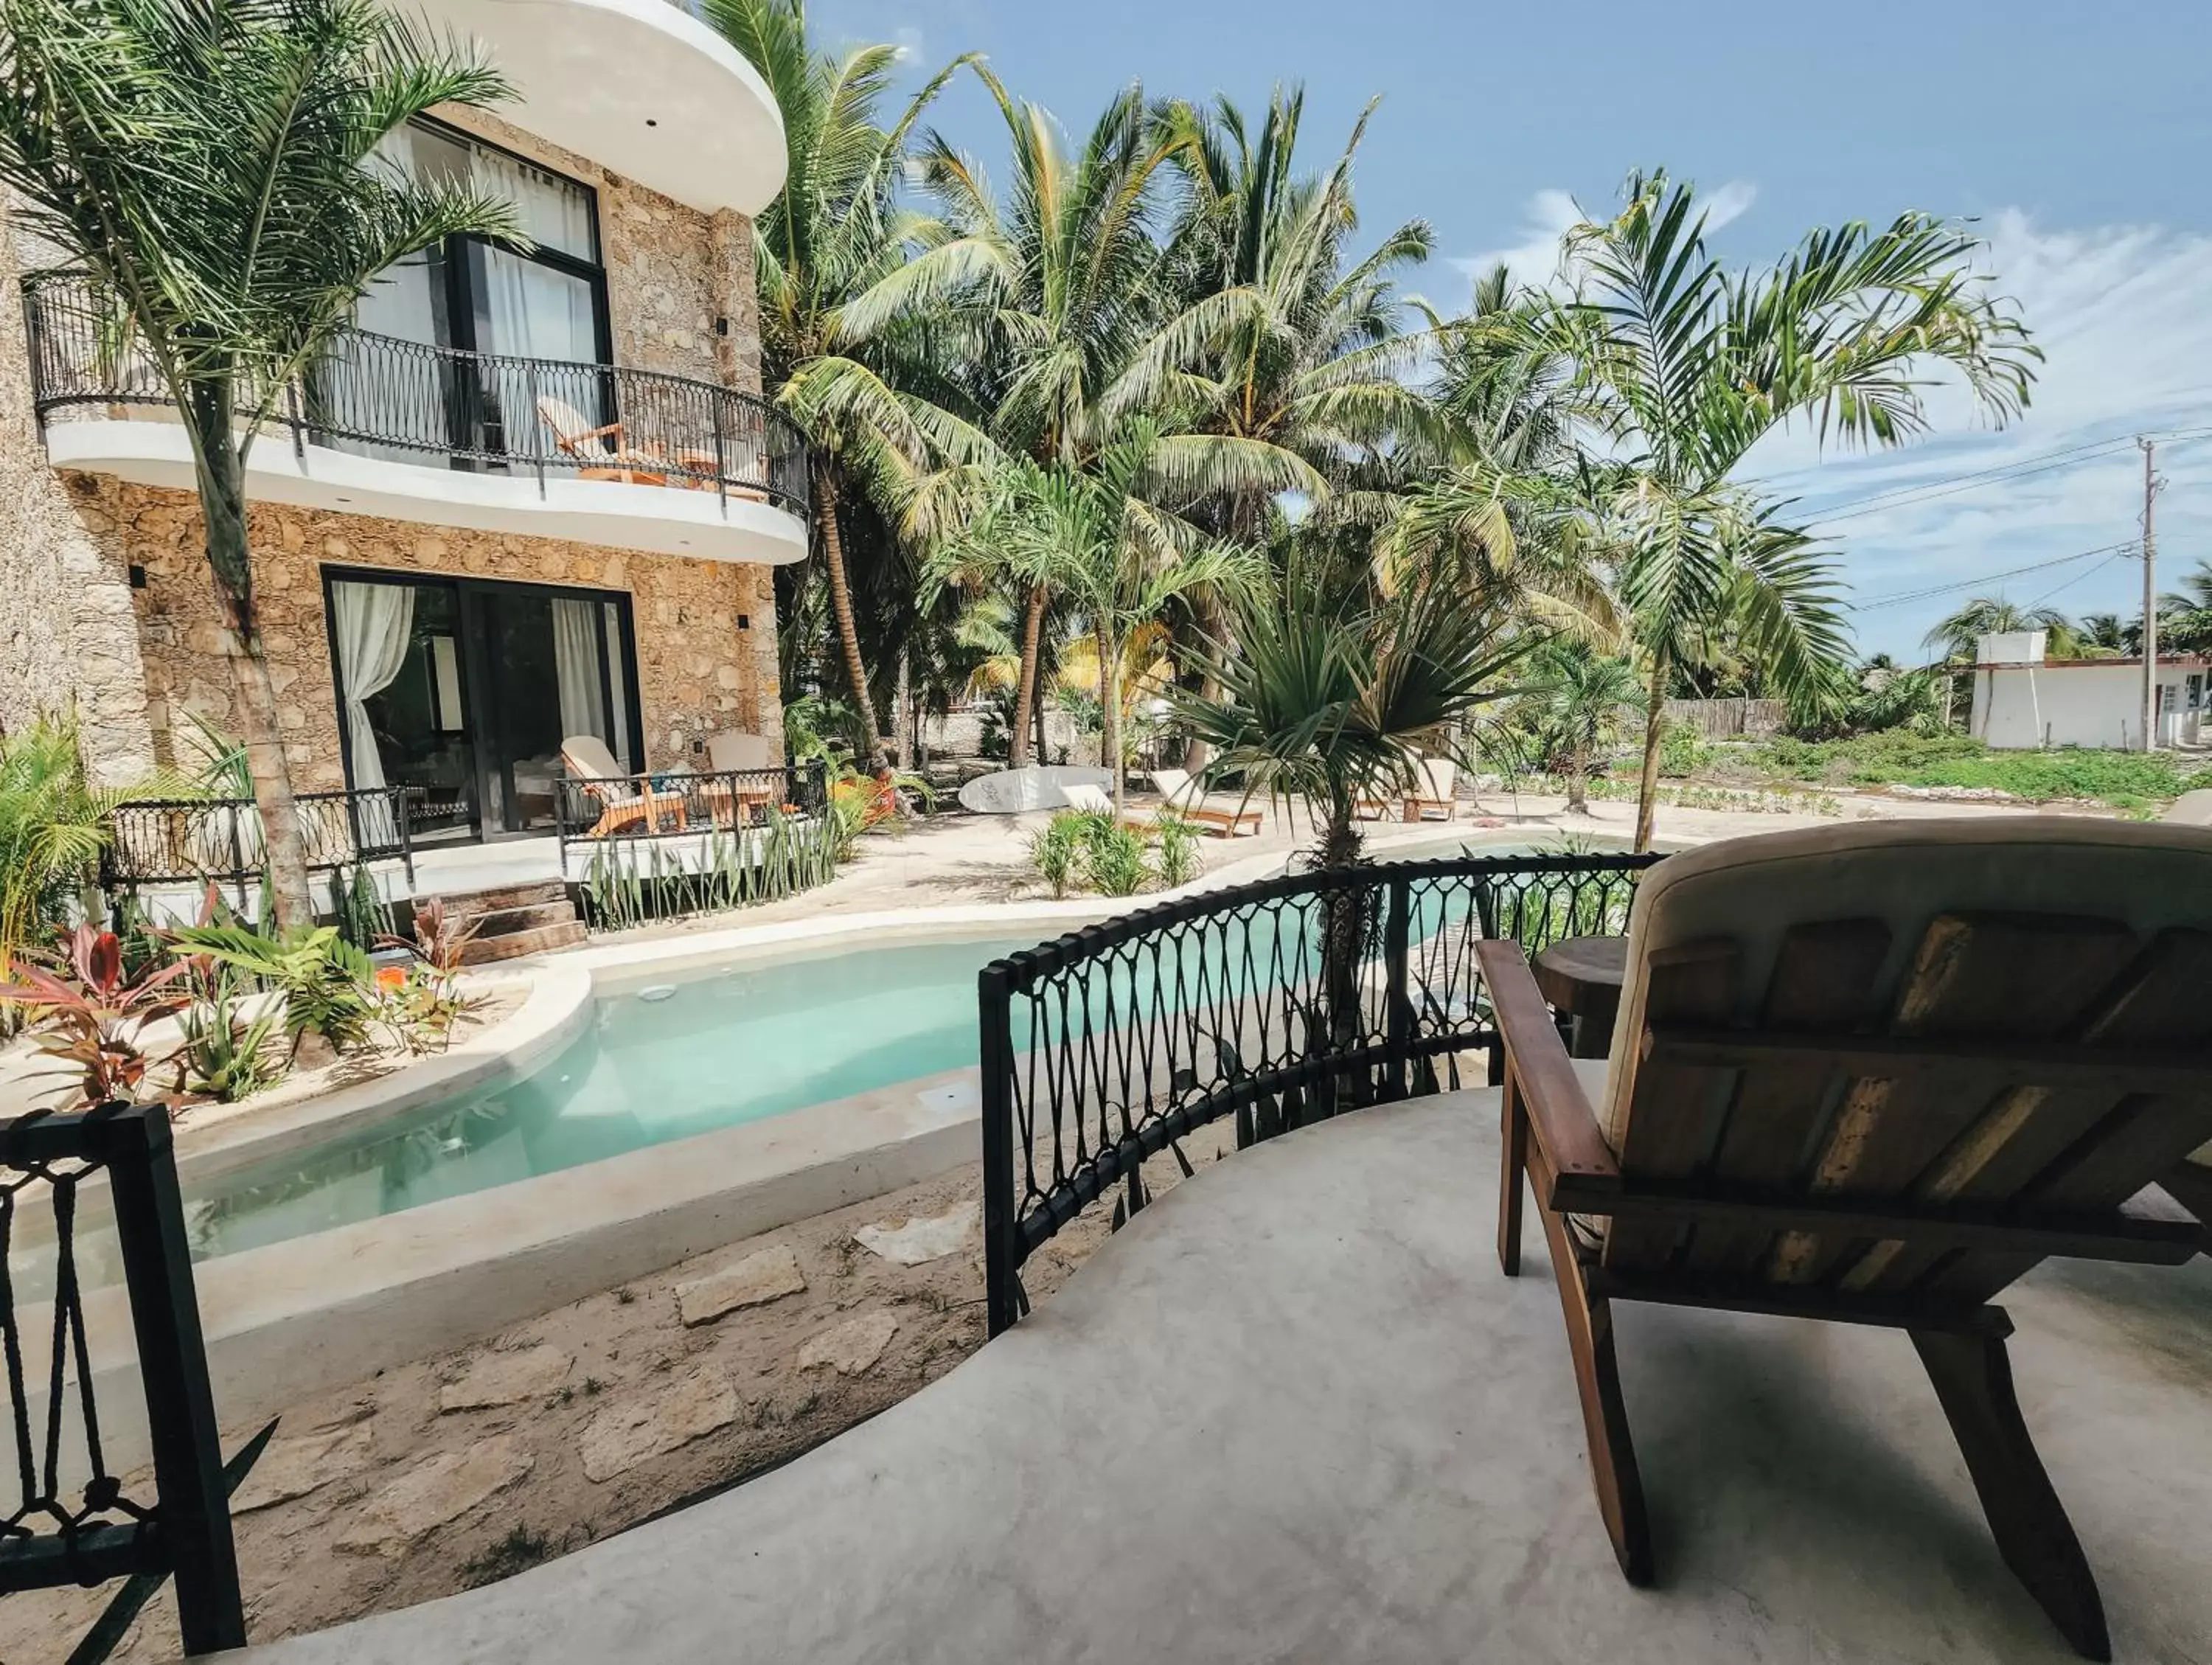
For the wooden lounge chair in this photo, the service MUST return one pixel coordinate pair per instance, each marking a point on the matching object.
(625, 799)
(1439, 775)
(731, 803)
(578, 439)
(1873, 1074)
(1186, 797)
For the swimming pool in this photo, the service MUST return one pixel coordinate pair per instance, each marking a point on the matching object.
(696, 1053)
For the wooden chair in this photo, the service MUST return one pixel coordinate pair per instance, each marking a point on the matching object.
(1439, 776)
(579, 440)
(625, 799)
(731, 803)
(1186, 798)
(1873, 1074)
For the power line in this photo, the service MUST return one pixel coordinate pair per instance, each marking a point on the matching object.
(2004, 473)
(1902, 598)
(2124, 553)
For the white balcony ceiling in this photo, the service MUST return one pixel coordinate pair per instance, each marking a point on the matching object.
(614, 515)
(642, 88)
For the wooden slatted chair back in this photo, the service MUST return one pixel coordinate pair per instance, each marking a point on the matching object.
(1944, 1016)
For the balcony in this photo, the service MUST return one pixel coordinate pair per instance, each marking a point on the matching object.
(405, 431)
(641, 87)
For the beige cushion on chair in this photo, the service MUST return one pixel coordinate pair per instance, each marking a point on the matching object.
(2147, 876)
(588, 759)
(1440, 776)
(733, 750)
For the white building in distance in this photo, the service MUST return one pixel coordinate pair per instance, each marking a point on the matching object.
(2024, 701)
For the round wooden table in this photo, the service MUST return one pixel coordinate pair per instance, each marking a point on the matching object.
(1581, 977)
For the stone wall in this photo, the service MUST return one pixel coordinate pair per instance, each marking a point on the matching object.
(698, 672)
(67, 638)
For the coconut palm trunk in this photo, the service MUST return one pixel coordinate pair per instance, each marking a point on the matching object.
(840, 606)
(1109, 713)
(222, 482)
(1025, 679)
(1654, 730)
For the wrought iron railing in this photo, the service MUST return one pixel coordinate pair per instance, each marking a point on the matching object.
(178, 841)
(439, 405)
(73, 1521)
(1277, 1003)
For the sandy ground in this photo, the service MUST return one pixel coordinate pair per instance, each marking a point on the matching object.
(612, 1409)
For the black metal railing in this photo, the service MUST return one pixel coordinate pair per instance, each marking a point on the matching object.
(486, 412)
(681, 805)
(73, 1522)
(179, 841)
(1277, 1003)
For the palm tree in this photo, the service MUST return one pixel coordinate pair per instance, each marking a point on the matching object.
(843, 273)
(1097, 534)
(1680, 368)
(1065, 293)
(1573, 711)
(2185, 622)
(211, 167)
(1959, 635)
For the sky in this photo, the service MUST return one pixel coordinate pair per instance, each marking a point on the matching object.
(2074, 135)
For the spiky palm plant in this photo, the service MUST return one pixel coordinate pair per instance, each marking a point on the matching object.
(1573, 710)
(1680, 366)
(210, 164)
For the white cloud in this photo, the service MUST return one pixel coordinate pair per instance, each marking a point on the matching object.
(910, 44)
(1534, 257)
(2118, 311)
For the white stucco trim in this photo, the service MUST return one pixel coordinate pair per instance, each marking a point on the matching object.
(655, 519)
(639, 87)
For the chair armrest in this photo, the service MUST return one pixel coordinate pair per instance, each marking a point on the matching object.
(1537, 1062)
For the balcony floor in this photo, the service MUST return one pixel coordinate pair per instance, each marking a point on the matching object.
(1295, 1412)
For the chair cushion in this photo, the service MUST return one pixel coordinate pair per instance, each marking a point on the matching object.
(2147, 876)
(733, 751)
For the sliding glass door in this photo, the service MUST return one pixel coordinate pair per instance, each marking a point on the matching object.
(465, 691)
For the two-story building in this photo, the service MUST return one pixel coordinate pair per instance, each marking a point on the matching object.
(531, 496)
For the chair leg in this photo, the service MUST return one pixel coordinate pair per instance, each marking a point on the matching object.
(1972, 1375)
(1513, 1139)
(1605, 1416)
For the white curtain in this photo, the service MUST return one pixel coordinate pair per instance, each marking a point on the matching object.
(618, 679)
(373, 623)
(576, 669)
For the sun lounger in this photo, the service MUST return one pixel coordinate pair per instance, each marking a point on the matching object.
(1872, 1074)
(1186, 798)
(625, 801)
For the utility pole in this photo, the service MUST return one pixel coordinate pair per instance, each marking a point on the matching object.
(2150, 594)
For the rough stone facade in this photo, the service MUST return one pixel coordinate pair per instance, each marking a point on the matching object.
(698, 672)
(73, 633)
(68, 639)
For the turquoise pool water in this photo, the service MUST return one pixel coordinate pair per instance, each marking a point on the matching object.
(699, 1054)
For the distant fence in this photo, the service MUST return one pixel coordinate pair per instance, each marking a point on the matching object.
(1728, 720)
(72, 1520)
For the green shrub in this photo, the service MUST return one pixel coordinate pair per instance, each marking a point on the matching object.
(1179, 861)
(1056, 848)
(1113, 858)
(1682, 752)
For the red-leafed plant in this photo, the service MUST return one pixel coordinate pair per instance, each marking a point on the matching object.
(91, 1016)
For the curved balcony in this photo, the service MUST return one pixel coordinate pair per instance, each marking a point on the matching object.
(643, 87)
(401, 430)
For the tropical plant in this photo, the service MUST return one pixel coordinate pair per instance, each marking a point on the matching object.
(2185, 616)
(90, 1014)
(1114, 857)
(1682, 751)
(1680, 367)
(1572, 711)
(842, 271)
(1100, 532)
(1179, 861)
(329, 986)
(53, 827)
(2107, 634)
(1056, 849)
(1959, 635)
(212, 167)
(229, 1053)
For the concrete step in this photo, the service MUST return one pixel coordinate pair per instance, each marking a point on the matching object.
(483, 950)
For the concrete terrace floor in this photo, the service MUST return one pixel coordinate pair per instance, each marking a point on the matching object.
(1294, 1412)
